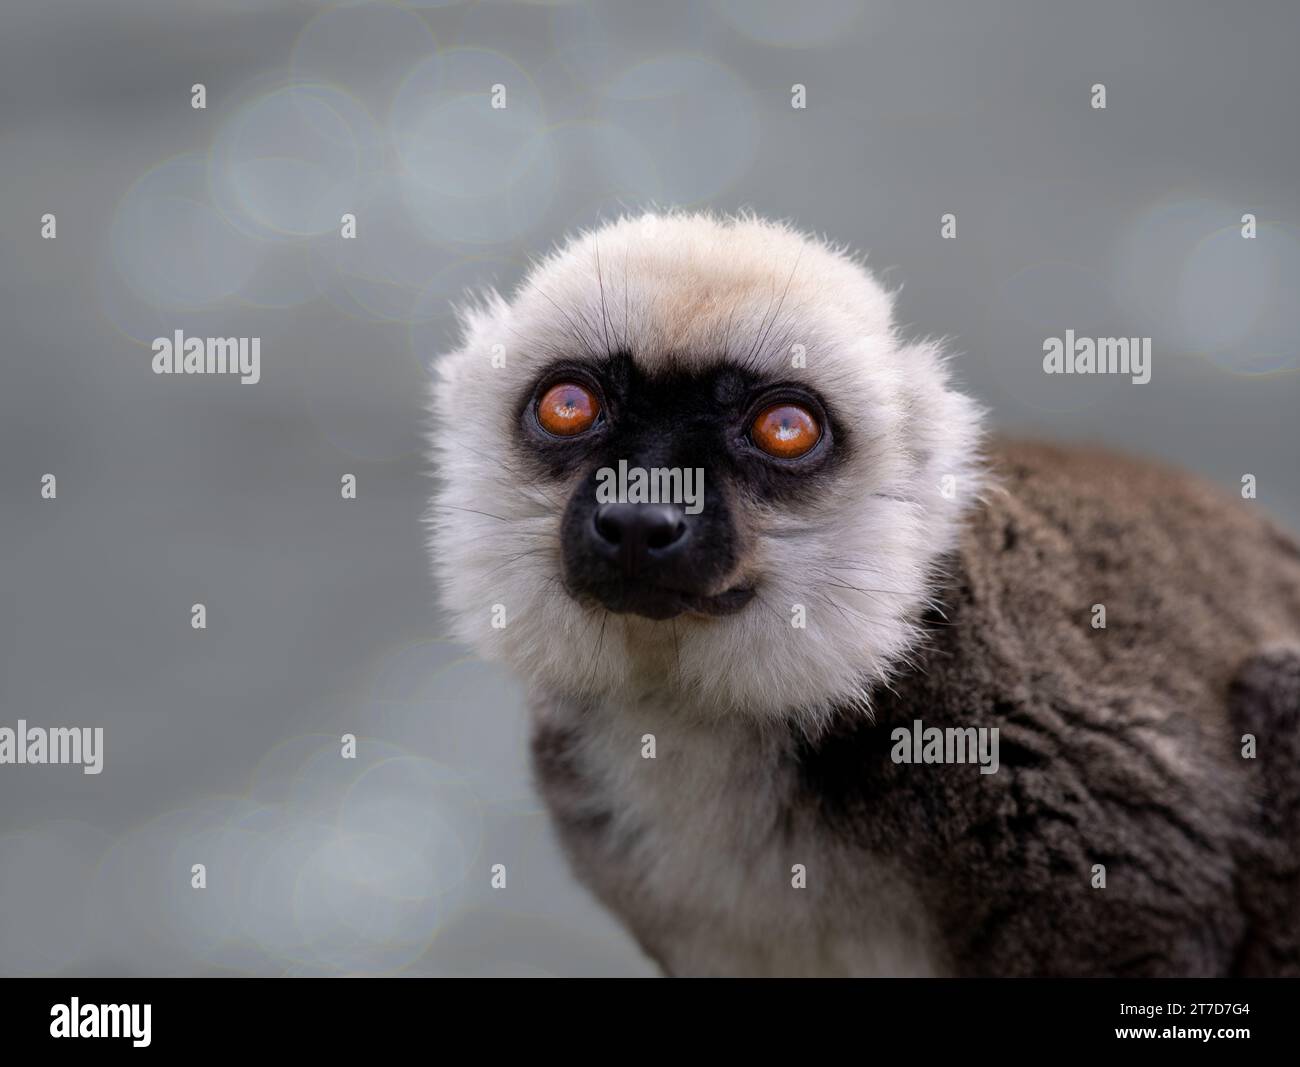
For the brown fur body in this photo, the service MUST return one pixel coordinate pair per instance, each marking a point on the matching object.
(1120, 746)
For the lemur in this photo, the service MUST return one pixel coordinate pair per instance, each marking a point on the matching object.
(713, 694)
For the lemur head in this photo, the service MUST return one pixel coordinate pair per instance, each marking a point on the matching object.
(691, 457)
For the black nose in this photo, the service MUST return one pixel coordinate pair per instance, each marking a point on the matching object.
(640, 533)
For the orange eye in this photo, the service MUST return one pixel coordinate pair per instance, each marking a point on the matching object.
(567, 408)
(786, 431)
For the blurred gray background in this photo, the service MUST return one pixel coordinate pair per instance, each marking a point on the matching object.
(222, 746)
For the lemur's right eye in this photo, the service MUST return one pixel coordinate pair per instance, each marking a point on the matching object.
(567, 408)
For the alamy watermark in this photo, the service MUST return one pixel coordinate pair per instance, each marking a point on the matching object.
(58, 744)
(1098, 355)
(179, 354)
(76, 1019)
(955, 744)
(656, 485)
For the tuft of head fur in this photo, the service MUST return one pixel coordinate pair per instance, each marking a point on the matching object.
(676, 292)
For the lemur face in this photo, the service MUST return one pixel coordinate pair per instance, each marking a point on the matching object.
(691, 456)
(705, 449)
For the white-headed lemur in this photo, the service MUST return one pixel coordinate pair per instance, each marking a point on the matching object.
(726, 686)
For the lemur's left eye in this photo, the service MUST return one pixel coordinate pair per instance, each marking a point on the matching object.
(567, 408)
(786, 431)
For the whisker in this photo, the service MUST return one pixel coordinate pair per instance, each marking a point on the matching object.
(677, 651)
(472, 511)
(604, 313)
(626, 319)
(520, 477)
(590, 684)
(515, 558)
(577, 333)
(758, 344)
(835, 604)
(763, 600)
(838, 584)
